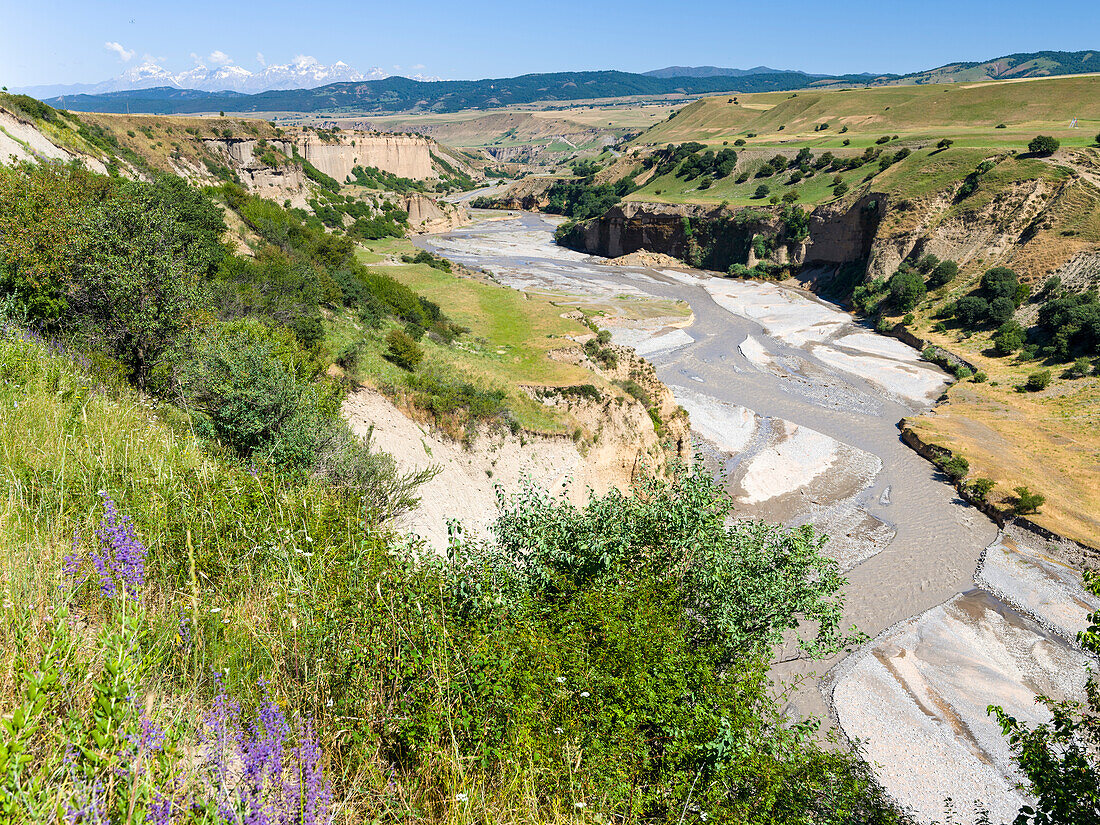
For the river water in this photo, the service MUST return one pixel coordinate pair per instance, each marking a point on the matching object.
(799, 406)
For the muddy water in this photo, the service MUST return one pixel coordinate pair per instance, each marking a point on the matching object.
(799, 407)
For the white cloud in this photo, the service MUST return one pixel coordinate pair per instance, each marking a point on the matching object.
(260, 58)
(305, 60)
(418, 67)
(124, 54)
(215, 58)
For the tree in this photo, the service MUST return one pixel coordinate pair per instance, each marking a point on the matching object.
(1000, 282)
(762, 191)
(1009, 338)
(944, 273)
(1000, 310)
(135, 279)
(1061, 759)
(906, 289)
(1043, 145)
(971, 310)
(927, 263)
(945, 143)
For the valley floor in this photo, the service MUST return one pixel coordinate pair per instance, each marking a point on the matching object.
(798, 406)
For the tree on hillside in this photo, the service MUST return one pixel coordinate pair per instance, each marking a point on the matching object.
(136, 274)
(944, 273)
(1043, 145)
(1061, 758)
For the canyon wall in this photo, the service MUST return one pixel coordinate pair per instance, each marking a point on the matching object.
(838, 235)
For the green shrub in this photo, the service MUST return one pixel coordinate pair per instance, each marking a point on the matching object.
(943, 274)
(906, 289)
(1080, 368)
(955, 467)
(403, 350)
(1043, 145)
(1009, 338)
(762, 191)
(1038, 380)
(1026, 501)
(981, 487)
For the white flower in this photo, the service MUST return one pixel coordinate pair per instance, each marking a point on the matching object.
(461, 797)
(560, 680)
(215, 610)
(580, 805)
(558, 730)
(585, 694)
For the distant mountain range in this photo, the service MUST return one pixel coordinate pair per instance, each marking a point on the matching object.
(309, 88)
(301, 73)
(399, 94)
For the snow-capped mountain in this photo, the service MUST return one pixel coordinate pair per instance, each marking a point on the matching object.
(303, 72)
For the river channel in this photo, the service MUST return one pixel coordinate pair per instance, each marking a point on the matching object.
(799, 404)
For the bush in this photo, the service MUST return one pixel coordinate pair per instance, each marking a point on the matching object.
(762, 191)
(1009, 338)
(1038, 381)
(955, 467)
(906, 290)
(999, 282)
(1043, 145)
(840, 189)
(1080, 368)
(402, 350)
(1026, 501)
(980, 488)
(944, 273)
(971, 311)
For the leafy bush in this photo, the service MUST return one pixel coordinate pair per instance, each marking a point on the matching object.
(403, 350)
(1009, 338)
(981, 487)
(907, 289)
(1038, 381)
(1043, 145)
(971, 311)
(944, 273)
(955, 467)
(1027, 501)
(762, 191)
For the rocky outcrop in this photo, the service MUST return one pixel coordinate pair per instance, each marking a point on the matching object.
(429, 215)
(838, 234)
(617, 441)
(407, 156)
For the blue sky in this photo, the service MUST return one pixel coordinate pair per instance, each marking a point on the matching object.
(65, 41)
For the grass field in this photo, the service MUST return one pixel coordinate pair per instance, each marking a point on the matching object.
(967, 112)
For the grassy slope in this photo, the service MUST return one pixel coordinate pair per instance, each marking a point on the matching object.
(507, 346)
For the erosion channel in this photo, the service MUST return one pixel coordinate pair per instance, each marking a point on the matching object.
(799, 405)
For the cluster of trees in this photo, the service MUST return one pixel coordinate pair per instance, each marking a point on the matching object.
(137, 272)
(708, 164)
(907, 287)
(583, 199)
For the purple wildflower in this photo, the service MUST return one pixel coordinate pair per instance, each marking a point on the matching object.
(125, 554)
(275, 783)
(118, 557)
